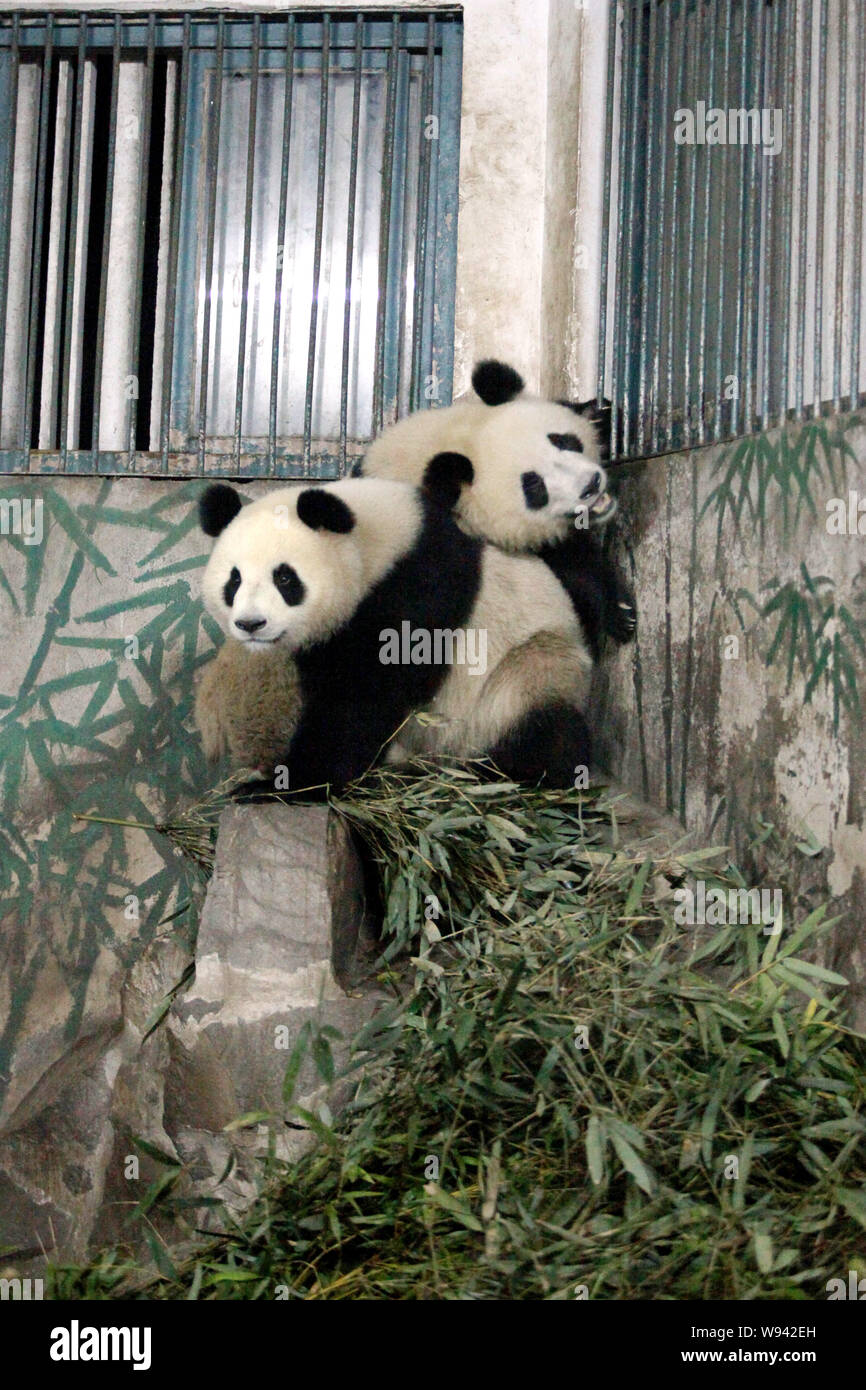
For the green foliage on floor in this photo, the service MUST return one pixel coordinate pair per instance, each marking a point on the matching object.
(569, 1095)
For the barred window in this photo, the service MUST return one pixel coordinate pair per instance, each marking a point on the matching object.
(227, 242)
(733, 243)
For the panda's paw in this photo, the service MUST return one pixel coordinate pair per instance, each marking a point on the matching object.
(623, 624)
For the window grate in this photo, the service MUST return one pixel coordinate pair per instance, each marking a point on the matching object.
(227, 242)
(733, 278)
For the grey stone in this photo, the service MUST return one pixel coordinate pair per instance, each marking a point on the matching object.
(32, 1223)
(283, 941)
(283, 931)
(52, 1169)
(287, 886)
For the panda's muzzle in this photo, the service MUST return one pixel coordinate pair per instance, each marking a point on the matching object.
(598, 503)
(250, 625)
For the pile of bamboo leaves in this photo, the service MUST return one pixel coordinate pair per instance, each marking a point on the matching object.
(568, 1095)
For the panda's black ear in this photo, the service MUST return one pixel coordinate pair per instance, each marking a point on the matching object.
(444, 476)
(322, 511)
(496, 383)
(598, 413)
(218, 505)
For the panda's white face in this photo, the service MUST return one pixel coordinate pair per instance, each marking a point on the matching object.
(291, 568)
(272, 579)
(536, 467)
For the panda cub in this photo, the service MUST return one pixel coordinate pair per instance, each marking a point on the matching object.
(333, 575)
(524, 474)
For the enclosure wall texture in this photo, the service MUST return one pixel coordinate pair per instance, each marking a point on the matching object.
(739, 706)
(103, 636)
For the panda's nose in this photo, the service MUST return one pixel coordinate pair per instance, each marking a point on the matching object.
(250, 624)
(593, 486)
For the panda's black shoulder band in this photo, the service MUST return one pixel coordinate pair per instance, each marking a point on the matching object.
(496, 383)
(218, 505)
(444, 476)
(322, 511)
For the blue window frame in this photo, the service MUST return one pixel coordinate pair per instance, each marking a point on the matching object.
(734, 253)
(227, 242)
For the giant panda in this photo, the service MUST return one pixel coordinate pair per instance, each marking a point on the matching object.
(525, 474)
(324, 574)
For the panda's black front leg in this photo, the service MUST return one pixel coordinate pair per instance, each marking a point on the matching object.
(331, 747)
(621, 610)
(601, 598)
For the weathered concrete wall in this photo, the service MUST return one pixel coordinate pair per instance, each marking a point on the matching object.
(103, 634)
(101, 629)
(92, 721)
(700, 715)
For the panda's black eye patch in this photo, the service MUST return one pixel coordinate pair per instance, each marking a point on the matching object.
(535, 491)
(232, 584)
(566, 441)
(289, 585)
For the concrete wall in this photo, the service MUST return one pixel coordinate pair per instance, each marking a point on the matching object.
(103, 632)
(91, 723)
(700, 716)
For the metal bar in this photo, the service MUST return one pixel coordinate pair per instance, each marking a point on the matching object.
(790, 51)
(9, 180)
(768, 79)
(705, 241)
(421, 218)
(73, 239)
(350, 239)
(737, 412)
(650, 262)
(317, 246)
(385, 225)
(818, 378)
(675, 237)
(106, 245)
(39, 219)
(248, 226)
(753, 204)
(723, 220)
(281, 241)
(689, 428)
(174, 238)
(631, 222)
(857, 251)
(627, 76)
(444, 268)
(840, 207)
(398, 251)
(213, 153)
(659, 286)
(144, 169)
(605, 224)
(803, 216)
(622, 13)
(55, 299)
